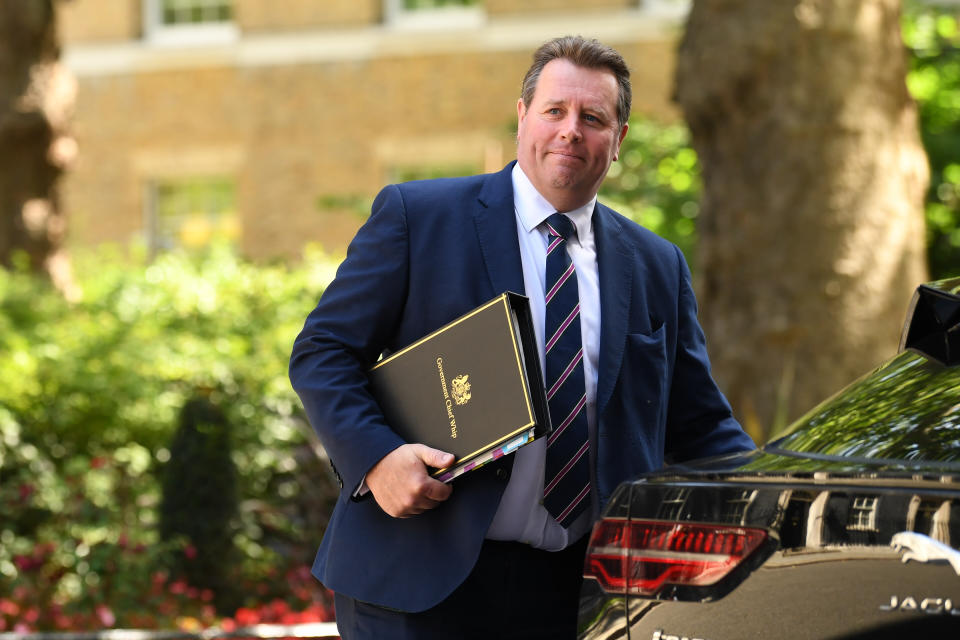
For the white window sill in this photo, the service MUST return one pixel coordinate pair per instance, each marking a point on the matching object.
(437, 19)
(192, 35)
(667, 9)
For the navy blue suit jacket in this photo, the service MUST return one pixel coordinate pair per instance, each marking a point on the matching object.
(431, 251)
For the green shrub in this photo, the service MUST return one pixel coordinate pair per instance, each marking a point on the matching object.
(89, 398)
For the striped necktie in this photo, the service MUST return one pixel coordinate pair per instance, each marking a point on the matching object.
(566, 490)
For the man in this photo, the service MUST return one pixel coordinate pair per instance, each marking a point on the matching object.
(499, 552)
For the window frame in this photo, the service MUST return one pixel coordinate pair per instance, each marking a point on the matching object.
(863, 513)
(152, 219)
(734, 510)
(396, 15)
(204, 33)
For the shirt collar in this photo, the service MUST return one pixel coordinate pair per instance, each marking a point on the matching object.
(533, 208)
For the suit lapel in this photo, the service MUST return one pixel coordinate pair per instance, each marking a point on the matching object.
(497, 231)
(615, 264)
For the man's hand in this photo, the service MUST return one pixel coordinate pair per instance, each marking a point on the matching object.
(401, 485)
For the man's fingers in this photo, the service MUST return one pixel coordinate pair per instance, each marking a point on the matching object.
(423, 503)
(437, 492)
(400, 482)
(433, 491)
(429, 496)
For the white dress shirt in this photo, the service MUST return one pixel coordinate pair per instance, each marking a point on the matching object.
(521, 515)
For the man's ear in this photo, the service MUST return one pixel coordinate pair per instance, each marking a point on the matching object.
(623, 134)
(521, 114)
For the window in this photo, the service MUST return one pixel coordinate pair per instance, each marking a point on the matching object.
(189, 22)
(672, 506)
(191, 213)
(174, 12)
(434, 13)
(735, 508)
(863, 514)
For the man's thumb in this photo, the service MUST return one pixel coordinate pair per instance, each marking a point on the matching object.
(434, 457)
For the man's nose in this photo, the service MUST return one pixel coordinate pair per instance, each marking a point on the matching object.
(571, 128)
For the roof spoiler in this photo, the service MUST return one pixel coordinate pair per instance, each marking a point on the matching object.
(933, 322)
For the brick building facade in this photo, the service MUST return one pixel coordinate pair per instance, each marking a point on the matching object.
(274, 122)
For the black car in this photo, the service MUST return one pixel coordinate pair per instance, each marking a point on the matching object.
(846, 527)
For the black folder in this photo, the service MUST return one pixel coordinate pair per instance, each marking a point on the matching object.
(473, 387)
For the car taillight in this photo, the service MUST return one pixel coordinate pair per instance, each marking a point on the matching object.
(640, 556)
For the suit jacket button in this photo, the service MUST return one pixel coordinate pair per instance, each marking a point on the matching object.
(503, 474)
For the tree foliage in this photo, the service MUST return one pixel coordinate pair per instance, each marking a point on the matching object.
(905, 410)
(932, 35)
(656, 182)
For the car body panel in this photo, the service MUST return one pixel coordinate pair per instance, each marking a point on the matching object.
(860, 502)
(847, 552)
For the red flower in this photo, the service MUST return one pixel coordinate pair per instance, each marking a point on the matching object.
(105, 615)
(276, 610)
(245, 617)
(317, 613)
(61, 621)
(26, 490)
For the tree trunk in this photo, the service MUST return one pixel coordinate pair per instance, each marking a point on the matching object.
(811, 226)
(36, 100)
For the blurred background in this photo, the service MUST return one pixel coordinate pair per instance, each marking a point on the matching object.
(180, 178)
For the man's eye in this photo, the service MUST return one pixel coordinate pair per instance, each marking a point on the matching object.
(590, 118)
(554, 111)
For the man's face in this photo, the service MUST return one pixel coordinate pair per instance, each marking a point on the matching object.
(569, 135)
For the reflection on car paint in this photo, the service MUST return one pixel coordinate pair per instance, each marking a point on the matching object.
(909, 409)
(921, 548)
